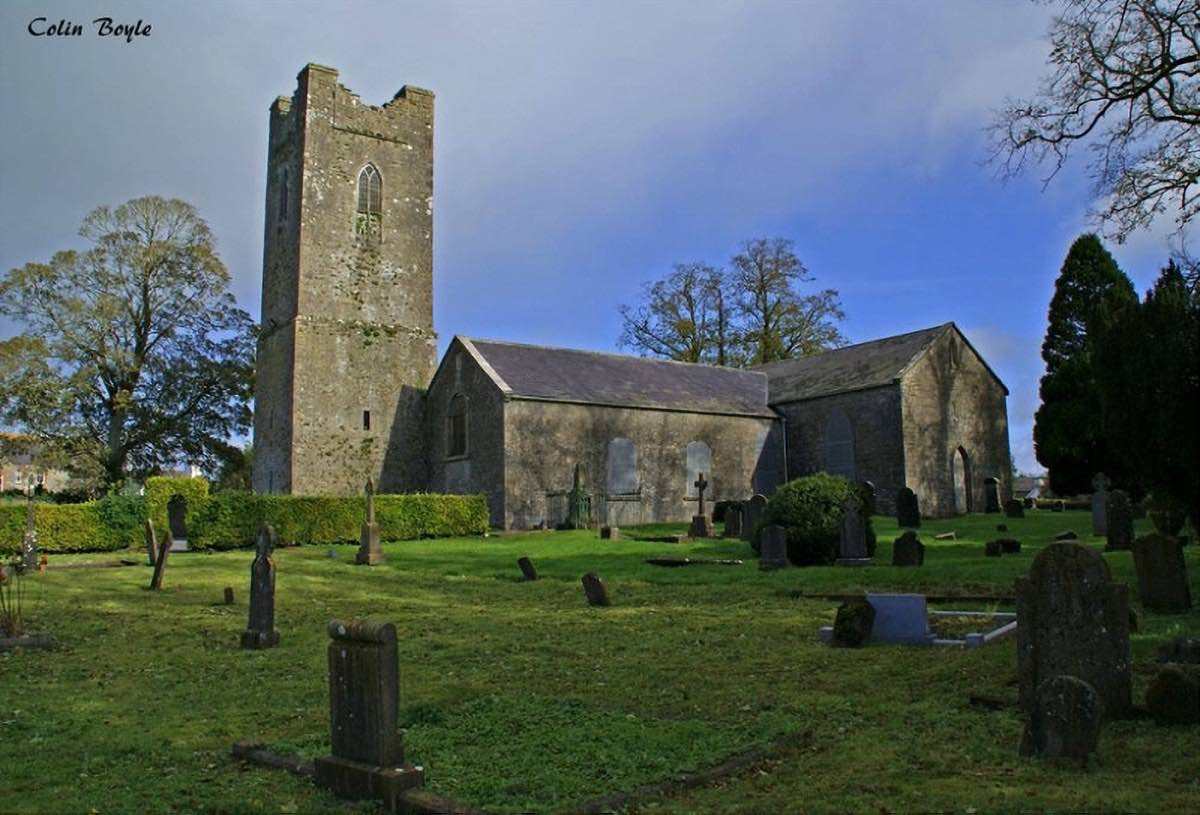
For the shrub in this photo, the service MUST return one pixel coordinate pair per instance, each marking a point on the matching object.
(160, 489)
(96, 526)
(810, 509)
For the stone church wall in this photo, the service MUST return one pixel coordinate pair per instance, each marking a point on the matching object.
(951, 400)
(874, 418)
(544, 440)
(481, 470)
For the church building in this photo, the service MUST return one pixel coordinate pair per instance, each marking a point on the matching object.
(347, 387)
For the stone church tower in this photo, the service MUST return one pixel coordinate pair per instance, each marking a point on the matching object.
(347, 345)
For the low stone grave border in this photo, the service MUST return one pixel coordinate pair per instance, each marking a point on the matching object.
(36, 641)
(689, 561)
(903, 619)
(97, 564)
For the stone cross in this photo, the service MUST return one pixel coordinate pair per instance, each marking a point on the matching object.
(260, 631)
(1075, 622)
(369, 550)
(367, 760)
(29, 548)
(701, 485)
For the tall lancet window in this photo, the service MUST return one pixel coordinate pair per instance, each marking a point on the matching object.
(368, 218)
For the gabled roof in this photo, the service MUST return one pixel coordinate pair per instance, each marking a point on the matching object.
(567, 375)
(854, 367)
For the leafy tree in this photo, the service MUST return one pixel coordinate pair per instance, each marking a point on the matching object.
(134, 355)
(1068, 435)
(747, 315)
(1149, 383)
(236, 465)
(1125, 83)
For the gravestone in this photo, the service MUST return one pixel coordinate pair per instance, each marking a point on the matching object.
(1013, 508)
(260, 631)
(610, 533)
(907, 550)
(1065, 720)
(578, 514)
(772, 552)
(1100, 485)
(733, 521)
(151, 542)
(866, 491)
(1118, 521)
(991, 494)
(1030, 503)
(1001, 527)
(853, 624)
(160, 562)
(993, 549)
(908, 512)
(1174, 695)
(527, 568)
(852, 535)
(1009, 546)
(367, 760)
(596, 591)
(177, 532)
(902, 618)
(702, 526)
(1074, 621)
(369, 550)
(1161, 573)
(752, 515)
(1180, 649)
(1058, 506)
(1066, 535)
(29, 547)
(228, 595)
(946, 536)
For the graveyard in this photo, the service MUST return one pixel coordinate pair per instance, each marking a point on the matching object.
(701, 688)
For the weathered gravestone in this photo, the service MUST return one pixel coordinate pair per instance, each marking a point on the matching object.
(853, 624)
(1174, 695)
(772, 548)
(527, 569)
(1180, 649)
(260, 631)
(177, 532)
(907, 550)
(1066, 535)
(752, 514)
(902, 618)
(1065, 721)
(733, 521)
(1161, 573)
(228, 597)
(367, 760)
(1013, 508)
(160, 562)
(1058, 506)
(993, 549)
(610, 533)
(908, 513)
(852, 535)
(595, 590)
(369, 550)
(866, 491)
(1100, 485)
(702, 526)
(991, 494)
(151, 542)
(1075, 621)
(1009, 546)
(29, 547)
(1119, 521)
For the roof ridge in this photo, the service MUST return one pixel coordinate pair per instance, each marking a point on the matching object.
(633, 357)
(852, 346)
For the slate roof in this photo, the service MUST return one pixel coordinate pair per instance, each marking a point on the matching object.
(568, 375)
(854, 367)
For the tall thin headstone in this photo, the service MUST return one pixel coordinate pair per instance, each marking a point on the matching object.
(701, 524)
(1119, 521)
(1100, 485)
(752, 515)
(260, 631)
(151, 542)
(1075, 622)
(160, 563)
(733, 520)
(367, 760)
(991, 494)
(852, 535)
(29, 547)
(369, 550)
(908, 512)
(577, 502)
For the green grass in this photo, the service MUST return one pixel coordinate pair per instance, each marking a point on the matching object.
(517, 697)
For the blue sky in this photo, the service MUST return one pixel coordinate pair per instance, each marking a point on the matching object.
(581, 149)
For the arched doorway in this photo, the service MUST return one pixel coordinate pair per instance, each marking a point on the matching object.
(960, 474)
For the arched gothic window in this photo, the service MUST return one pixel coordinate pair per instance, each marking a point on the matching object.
(839, 445)
(622, 467)
(456, 426)
(368, 216)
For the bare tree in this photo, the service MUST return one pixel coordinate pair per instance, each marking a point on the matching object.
(683, 317)
(1125, 84)
(779, 323)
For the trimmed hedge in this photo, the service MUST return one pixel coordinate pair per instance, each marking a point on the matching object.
(160, 489)
(230, 520)
(810, 508)
(111, 523)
